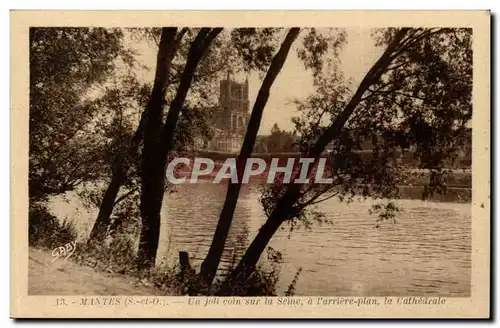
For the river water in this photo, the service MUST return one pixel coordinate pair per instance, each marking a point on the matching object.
(425, 252)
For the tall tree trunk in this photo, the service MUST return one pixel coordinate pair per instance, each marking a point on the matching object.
(150, 170)
(157, 145)
(211, 262)
(122, 165)
(247, 264)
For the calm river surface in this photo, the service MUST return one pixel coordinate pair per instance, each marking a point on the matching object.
(426, 252)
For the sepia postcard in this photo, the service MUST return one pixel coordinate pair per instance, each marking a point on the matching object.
(250, 164)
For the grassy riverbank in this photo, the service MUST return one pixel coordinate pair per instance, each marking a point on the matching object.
(69, 278)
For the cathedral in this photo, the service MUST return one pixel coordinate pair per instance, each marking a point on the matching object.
(230, 118)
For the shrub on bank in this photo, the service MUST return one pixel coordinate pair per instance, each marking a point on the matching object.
(116, 256)
(263, 281)
(46, 231)
(119, 257)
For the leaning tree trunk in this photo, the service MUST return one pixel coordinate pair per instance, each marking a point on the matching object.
(120, 170)
(285, 204)
(157, 145)
(247, 264)
(152, 131)
(102, 222)
(212, 260)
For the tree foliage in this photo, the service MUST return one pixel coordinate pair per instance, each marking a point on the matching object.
(416, 96)
(65, 63)
(279, 140)
(420, 103)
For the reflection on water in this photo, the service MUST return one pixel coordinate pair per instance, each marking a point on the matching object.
(427, 252)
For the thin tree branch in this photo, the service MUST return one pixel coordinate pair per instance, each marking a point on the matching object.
(121, 198)
(379, 90)
(198, 48)
(322, 200)
(391, 68)
(407, 95)
(373, 75)
(425, 34)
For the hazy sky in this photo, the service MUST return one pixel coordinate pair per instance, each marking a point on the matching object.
(293, 81)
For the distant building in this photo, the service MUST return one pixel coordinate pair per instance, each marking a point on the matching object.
(230, 118)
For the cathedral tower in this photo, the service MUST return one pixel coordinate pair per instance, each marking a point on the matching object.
(233, 99)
